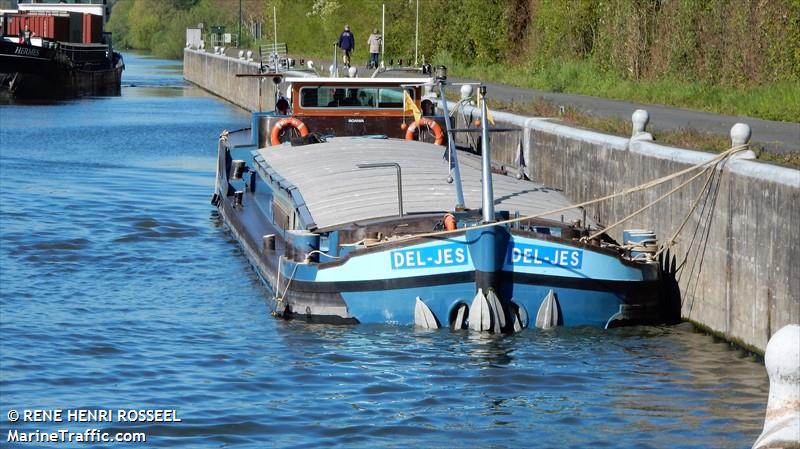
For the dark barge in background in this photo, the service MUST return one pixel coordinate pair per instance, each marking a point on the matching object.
(67, 56)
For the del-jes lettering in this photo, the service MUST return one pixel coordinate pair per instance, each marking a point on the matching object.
(534, 255)
(433, 256)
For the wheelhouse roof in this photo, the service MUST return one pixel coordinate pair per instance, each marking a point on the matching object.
(336, 192)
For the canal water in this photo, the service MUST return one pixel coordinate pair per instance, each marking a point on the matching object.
(120, 288)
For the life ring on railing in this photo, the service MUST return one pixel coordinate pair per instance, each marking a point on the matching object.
(450, 223)
(275, 136)
(435, 128)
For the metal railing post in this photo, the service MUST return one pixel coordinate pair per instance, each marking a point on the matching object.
(399, 179)
(487, 193)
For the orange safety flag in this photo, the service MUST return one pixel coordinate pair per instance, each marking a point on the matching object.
(488, 112)
(408, 105)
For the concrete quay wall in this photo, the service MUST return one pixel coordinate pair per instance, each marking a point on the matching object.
(737, 260)
(216, 73)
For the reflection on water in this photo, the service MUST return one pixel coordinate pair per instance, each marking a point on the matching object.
(120, 288)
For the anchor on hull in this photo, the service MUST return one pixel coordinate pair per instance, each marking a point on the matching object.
(487, 313)
(423, 316)
(548, 315)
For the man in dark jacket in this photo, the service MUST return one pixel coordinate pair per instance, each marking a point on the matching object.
(347, 43)
(26, 35)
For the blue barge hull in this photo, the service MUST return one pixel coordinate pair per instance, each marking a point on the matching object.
(360, 269)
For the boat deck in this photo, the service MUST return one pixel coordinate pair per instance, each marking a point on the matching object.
(336, 192)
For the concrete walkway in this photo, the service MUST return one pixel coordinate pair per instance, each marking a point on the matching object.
(778, 137)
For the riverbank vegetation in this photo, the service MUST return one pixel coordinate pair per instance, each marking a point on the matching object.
(733, 57)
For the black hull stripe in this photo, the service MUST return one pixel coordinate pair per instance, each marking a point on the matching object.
(383, 284)
(617, 287)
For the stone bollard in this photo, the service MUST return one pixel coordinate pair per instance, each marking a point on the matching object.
(782, 361)
(640, 118)
(740, 135)
(241, 54)
(466, 91)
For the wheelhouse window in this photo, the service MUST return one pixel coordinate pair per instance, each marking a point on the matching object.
(344, 97)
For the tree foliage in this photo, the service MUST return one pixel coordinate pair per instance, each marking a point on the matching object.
(725, 42)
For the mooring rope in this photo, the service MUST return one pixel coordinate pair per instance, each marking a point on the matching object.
(461, 107)
(646, 206)
(647, 185)
(278, 296)
(316, 251)
(671, 241)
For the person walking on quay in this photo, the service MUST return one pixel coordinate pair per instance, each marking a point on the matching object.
(347, 43)
(374, 43)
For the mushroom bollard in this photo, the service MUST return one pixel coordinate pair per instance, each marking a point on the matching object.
(740, 135)
(640, 118)
(782, 361)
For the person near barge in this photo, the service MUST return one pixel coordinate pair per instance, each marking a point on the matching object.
(374, 43)
(282, 106)
(26, 35)
(347, 42)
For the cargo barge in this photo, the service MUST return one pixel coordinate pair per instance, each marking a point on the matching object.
(348, 216)
(57, 50)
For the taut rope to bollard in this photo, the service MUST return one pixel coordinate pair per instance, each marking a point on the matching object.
(649, 205)
(671, 241)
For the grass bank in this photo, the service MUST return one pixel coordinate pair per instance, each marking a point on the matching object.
(777, 101)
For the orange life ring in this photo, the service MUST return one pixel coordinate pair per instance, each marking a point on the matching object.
(450, 223)
(431, 124)
(275, 136)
